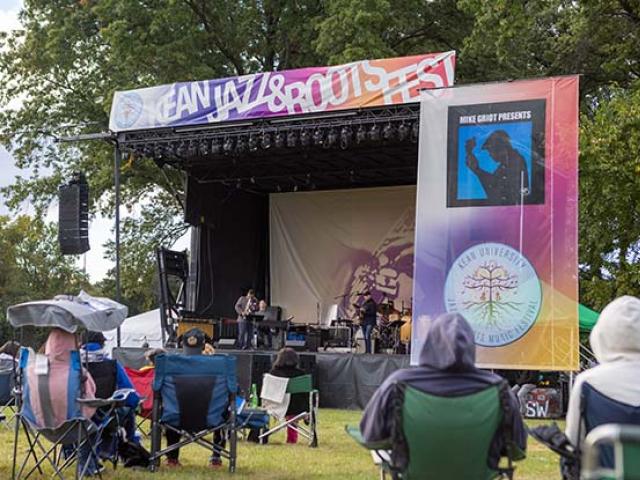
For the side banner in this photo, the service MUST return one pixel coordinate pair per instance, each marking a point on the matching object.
(496, 225)
(367, 83)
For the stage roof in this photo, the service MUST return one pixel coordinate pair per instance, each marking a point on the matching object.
(349, 149)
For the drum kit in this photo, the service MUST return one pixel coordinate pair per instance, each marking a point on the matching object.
(393, 330)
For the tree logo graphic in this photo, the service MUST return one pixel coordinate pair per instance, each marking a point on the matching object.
(497, 290)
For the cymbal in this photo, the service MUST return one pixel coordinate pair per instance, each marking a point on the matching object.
(387, 309)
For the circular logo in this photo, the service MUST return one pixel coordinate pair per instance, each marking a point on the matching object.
(128, 110)
(497, 290)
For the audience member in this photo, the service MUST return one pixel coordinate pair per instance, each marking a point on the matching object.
(615, 341)
(446, 367)
(286, 365)
(9, 355)
(194, 343)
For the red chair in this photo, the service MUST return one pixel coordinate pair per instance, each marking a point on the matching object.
(142, 382)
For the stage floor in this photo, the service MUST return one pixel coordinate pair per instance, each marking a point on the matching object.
(345, 380)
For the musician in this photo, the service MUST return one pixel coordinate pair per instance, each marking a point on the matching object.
(369, 310)
(264, 333)
(245, 305)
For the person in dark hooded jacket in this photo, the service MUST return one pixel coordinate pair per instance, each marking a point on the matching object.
(446, 368)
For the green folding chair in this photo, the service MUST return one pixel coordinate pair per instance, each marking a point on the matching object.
(301, 384)
(625, 440)
(441, 437)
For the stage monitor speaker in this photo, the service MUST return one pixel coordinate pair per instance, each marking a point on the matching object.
(73, 216)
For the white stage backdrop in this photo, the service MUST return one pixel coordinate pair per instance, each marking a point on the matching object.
(327, 244)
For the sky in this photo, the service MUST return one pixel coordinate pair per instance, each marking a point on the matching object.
(9, 14)
(100, 228)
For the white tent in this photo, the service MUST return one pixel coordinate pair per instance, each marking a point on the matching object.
(136, 331)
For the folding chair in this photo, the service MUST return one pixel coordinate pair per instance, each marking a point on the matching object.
(596, 409)
(277, 409)
(429, 433)
(194, 396)
(143, 383)
(625, 440)
(7, 400)
(47, 434)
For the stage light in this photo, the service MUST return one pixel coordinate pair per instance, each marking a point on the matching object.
(241, 145)
(192, 151)
(279, 140)
(305, 138)
(291, 139)
(158, 151)
(318, 137)
(181, 151)
(345, 137)
(266, 140)
(374, 133)
(332, 137)
(253, 180)
(403, 131)
(216, 147)
(415, 131)
(253, 142)
(361, 134)
(239, 184)
(203, 148)
(227, 146)
(308, 180)
(387, 132)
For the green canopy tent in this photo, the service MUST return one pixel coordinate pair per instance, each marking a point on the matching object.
(587, 318)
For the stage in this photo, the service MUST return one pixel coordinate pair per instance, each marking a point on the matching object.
(345, 380)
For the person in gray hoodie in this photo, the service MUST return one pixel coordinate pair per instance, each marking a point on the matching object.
(615, 341)
(446, 368)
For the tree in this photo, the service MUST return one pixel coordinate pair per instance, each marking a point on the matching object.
(72, 55)
(610, 199)
(32, 267)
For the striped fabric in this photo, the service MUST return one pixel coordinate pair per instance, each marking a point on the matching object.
(49, 399)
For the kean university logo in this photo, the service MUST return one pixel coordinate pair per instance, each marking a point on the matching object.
(498, 292)
(128, 110)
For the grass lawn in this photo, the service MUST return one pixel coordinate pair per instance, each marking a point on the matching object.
(336, 457)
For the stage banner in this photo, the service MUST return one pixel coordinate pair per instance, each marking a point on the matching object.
(496, 225)
(328, 248)
(368, 83)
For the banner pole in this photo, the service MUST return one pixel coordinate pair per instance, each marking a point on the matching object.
(117, 161)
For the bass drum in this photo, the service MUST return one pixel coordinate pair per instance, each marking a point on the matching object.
(405, 330)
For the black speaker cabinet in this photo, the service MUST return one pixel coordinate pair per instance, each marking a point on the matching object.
(73, 216)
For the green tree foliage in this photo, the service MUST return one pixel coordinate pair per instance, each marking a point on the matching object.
(31, 266)
(73, 54)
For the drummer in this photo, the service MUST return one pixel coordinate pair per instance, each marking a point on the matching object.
(368, 320)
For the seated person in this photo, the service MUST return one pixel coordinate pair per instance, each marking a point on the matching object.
(9, 355)
(93, 351)
(286, 365)
(264, 333)
(615, 341)
(58, 348)
(194, 343)
(446, 367)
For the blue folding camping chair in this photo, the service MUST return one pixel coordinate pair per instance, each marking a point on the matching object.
(194, 396)
(58, 443)
(7, 400)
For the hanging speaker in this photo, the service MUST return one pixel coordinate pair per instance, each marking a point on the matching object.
(73, 216)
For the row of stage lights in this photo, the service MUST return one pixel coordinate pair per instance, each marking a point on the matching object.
(327, 137)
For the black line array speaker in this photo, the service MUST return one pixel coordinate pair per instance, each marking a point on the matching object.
(73, 216)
